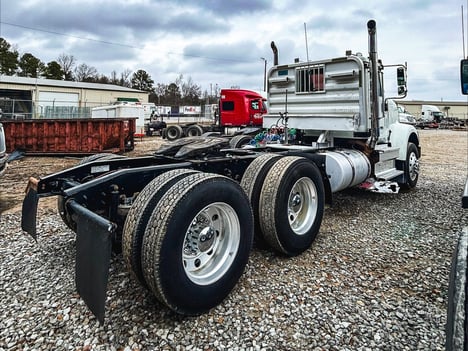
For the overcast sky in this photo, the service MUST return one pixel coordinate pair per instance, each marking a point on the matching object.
(221, 42)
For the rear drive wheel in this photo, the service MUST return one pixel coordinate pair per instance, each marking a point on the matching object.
(252, 182)
(139, 215)
(174, 132)
(194, 130)
(197, 242)
(291, 205)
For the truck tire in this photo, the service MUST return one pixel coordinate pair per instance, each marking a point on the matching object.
(239, 140)
(194, 130)
(291, 205)
(139, 215)
(411, 167)
(197, 242)
(252, 182)
(174, 132)
(456, 329)
(60, 201)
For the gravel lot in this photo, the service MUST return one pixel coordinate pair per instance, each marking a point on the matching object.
(376, 278)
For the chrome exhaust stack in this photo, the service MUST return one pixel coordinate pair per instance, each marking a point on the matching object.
(275, 53)
(372, 30)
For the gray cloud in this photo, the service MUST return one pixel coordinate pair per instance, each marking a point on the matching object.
(222, 41)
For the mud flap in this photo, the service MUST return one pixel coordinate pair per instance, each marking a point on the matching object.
(29, 212)
(93, 252)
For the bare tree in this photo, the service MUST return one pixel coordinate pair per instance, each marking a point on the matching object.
(159, 90)
(85, 73)
(191, 92)
(124, 80)
(113, 78)
(67, 62)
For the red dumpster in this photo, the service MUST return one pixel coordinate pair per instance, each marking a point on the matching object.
(70, 136)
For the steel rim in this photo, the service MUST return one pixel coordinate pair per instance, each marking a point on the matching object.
(413, 166)
(302, 205)
(211, 243)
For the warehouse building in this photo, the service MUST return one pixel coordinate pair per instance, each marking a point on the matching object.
(450, 109)
(25, 98)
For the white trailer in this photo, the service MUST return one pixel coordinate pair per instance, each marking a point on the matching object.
(123, 111)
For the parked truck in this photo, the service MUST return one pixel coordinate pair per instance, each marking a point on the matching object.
(186, 216)
(431, 116)
(239, 112)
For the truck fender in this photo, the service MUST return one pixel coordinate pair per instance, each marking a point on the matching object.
(400, 135)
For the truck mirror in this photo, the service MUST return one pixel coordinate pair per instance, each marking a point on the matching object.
(464, 76)
(401, 80)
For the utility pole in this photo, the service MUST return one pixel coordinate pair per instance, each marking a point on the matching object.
(264, 73)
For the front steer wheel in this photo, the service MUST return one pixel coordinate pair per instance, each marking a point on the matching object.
(197, 242)
(411, 167)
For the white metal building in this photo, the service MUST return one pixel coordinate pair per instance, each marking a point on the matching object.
(450, 109)
(22, 97)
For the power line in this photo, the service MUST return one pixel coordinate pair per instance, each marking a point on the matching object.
(69, 35)
(120, 44)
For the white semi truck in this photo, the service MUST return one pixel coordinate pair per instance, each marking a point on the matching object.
(185, 217)
(431, 116)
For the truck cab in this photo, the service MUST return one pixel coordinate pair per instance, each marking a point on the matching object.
(338, 108)
(239, 107)
(431, 113)
(339, 105)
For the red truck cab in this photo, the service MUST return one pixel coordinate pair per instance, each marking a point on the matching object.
(239, 107)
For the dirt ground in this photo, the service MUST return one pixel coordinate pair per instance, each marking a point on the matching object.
(437, 147)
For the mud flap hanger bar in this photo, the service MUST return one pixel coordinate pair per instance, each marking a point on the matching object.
(93, 250)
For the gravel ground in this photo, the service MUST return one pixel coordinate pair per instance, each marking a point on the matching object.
(376, 278)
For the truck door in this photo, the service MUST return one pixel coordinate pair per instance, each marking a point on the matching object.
(256, 111)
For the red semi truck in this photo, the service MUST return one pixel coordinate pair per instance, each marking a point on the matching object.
(239, 112)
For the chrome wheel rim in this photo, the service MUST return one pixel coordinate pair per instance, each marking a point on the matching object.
(413, 166)
(211, 243)
(302, 205)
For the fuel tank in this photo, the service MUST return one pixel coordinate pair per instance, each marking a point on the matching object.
(346, 168)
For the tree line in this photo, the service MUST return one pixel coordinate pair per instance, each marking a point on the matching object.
(65, 67)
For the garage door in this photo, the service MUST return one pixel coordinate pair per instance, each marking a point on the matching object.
(52, 98)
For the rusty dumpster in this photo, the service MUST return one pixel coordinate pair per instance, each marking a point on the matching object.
(70, 136)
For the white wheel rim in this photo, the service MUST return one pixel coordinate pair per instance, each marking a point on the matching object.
(211, 243)
(302, 206)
